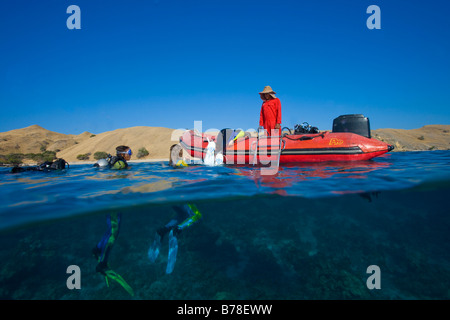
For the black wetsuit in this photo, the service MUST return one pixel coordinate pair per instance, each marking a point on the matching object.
(46, 166)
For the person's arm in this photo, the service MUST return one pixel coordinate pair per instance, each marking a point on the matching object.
(278, 121)
(261, 117)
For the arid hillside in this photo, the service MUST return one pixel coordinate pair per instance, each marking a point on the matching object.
(35, 139)
(431, 137)
(155, 140)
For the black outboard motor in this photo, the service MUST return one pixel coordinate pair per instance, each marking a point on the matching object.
(354, 123)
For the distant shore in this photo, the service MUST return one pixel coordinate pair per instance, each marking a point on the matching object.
(87, 162)
(130, 161)
(34, 144)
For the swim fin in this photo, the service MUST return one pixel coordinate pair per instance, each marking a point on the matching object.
(153, 251)
(173, 250)
(110, 274)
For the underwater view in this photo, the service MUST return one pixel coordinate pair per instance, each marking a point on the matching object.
(311, 231)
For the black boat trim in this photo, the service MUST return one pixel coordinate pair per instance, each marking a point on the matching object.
(343, 150)
(293, 152)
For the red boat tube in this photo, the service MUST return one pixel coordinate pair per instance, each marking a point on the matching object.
(290, 148)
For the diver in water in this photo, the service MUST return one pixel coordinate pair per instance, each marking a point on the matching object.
(186, 215)
(103, 249)
(176, 156)
(47, 166)
(119, 161)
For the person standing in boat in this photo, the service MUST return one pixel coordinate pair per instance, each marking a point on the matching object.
(270, 116)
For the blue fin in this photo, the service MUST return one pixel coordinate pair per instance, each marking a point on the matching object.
(173, 250)
(153, 251)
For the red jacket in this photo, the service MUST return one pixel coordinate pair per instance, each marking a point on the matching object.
(270, 114)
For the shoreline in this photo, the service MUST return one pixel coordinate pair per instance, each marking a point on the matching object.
(129, 161)
(83, 162)
(159, 160)
(19, 146)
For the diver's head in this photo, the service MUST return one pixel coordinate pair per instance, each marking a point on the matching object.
(176, 156)
(124, 152)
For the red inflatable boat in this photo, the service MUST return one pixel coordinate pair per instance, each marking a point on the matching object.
(325, 146)
(293, 148)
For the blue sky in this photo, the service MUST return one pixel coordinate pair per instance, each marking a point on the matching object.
(169, 63)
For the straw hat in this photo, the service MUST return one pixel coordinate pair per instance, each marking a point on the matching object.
(268, 89)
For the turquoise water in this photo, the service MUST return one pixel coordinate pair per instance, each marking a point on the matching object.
(309, 232)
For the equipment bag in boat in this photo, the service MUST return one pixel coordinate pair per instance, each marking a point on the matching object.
(305, 128)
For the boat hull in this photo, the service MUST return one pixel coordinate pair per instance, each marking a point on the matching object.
(322, 147)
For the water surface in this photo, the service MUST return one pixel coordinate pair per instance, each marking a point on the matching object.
(309, 232)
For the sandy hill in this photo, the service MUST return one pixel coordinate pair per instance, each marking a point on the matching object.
(35, 139)
(430, 137)
(156, 140)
